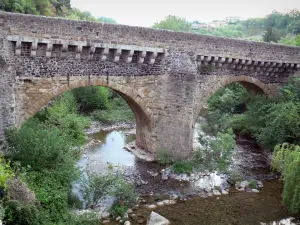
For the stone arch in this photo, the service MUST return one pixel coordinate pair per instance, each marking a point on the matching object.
(57, 87)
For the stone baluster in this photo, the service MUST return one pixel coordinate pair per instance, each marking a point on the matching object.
(235, 61)
(18, 47)
(116, 55)
(248, 62)
(104, 54)
(49, 50)
(64, 50)
(152, 57)
(92, 52)
(141, 57)
(128, 55)
(33, 49)
(78, 52)
(228, 60)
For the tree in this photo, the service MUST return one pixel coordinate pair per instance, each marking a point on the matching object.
(174, 23)
(107, 20)
(271, 35)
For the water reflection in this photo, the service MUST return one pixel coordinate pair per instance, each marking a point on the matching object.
(112, 148)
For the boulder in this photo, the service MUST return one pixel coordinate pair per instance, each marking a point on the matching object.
(156, 219)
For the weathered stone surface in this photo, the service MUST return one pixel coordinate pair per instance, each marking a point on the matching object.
(165, 77)
(156, 219)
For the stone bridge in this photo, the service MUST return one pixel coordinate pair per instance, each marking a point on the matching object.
(165, 77)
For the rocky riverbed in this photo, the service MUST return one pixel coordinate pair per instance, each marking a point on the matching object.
(165, 192)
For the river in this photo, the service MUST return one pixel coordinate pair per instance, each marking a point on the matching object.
(194, 206)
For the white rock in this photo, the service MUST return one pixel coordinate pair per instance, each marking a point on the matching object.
(118, 218)
(156, 219)
(151, 206)
(244, 184)
(224, 192)
(129, 211)
(106, 221)
(127, 223)
(160, 203)
(216, 192)
(255, 190)
(105, 215)
(260, 184)
(169, 202)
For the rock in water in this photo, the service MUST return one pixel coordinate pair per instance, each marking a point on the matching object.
(156, 219)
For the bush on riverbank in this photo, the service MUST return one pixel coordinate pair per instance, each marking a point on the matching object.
(286, 160)
(271, 121)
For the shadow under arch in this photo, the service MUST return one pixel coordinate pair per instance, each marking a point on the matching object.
(134, 101)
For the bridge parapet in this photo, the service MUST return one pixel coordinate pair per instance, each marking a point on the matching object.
(259, 67)
(59, 48)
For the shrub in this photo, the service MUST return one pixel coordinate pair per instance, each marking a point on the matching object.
(6, 173)
(38, 146)
(98, 187)
(182, 167)
(216, 153)
(91, 98)
(163, 157)
(118, 210)
(286, 159)
(113, 115)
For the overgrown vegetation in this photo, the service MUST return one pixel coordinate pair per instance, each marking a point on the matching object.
(43, 153)
(60, 8)
(271, 121)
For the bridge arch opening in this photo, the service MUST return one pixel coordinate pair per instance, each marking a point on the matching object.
(45, 94)
(251, 85)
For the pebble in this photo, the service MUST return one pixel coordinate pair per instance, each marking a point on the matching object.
(105, 215)
(169, 202)
(152, 206)
(118, 218)
(216, 192)
(127, 223)
(255, 191)
(106, 221)
(160, 203)
(224, 192)
(129, 211)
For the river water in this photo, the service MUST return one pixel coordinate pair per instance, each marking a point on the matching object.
(253, 163)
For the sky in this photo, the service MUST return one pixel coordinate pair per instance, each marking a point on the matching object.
(147, 12)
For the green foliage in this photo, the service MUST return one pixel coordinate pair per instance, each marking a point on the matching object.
(163, 157)
(91, 98)
(98, 187)
(107, 20)
(63, 114)
(286, 159)
(117, 210)
(215, 153)
(272, 35)
(290, 40)
(174, 23)
(6, 173)
(252, 184)
(111, 116)
(125, 197)
(38, 146)
(181, 166)
(124, 193)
